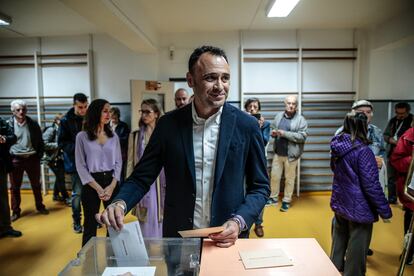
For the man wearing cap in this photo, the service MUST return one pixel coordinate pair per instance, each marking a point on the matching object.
(375, 135)
(374, 132)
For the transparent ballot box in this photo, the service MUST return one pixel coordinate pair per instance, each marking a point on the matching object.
(170, 256)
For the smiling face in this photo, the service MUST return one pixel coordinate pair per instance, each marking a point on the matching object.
(210, 80)
(105, 114)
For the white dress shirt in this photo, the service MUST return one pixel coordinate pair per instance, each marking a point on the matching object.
(112, 125)
(205, 142)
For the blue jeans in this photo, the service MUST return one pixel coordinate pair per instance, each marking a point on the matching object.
(76, 198)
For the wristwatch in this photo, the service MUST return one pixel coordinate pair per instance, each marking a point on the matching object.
(121, 204)
(237, 220)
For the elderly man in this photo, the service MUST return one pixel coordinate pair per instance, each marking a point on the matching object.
(7, 138)
(374, 132)
(394, 130)
(181, 98)
(26, 155)
(213, 157)
(289, 129)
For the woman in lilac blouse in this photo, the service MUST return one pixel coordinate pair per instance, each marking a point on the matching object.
(98, 163)
(150, 209)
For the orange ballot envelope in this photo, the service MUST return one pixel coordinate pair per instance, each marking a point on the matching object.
(200, 233)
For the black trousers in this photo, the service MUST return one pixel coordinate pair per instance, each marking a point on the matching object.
(350, 243)
(5, 223)
(91, 203)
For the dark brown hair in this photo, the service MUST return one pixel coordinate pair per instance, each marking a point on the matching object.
(252, 100)
(215, 51)
(93, 119)
(356, 125)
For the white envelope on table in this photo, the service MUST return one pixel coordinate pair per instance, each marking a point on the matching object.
(128, 245)
(265, 258)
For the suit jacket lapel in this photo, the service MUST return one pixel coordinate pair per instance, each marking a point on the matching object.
(186, 130)
(228, 119)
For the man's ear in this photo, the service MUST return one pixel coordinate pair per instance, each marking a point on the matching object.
(190, 80)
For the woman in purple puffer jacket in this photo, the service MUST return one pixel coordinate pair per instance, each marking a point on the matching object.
(357, 197)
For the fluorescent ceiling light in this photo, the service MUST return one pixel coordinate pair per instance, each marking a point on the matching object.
(281, 8)
(5, 19)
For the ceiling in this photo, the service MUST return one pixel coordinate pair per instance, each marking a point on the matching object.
(139, 23)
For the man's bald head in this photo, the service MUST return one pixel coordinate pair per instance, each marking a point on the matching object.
(291, 103)
(181, 97)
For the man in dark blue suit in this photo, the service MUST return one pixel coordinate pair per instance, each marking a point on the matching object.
(213, 157)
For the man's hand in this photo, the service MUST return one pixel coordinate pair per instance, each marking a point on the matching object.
(277, 133)
(2, 139)
(261, 121)
(228, 236)
(379, 161)
(392, 141)
(113, 216)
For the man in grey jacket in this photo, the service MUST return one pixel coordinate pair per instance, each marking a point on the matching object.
(289, 129)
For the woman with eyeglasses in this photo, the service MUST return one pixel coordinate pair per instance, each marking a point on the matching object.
(98, 163)
(149, 210)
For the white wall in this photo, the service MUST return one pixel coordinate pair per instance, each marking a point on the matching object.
(65, 80)
(18, 82)
(389, 63)
(283, 76)
(113, 67)
(386, 62)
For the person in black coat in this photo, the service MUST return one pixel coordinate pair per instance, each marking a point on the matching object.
(122, 130)
(70, 125)
(7, 138)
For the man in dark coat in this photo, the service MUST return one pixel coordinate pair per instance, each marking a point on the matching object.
(392, 133)
(213, 157)
(7, 138)
(122, 130)
(70, 125)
